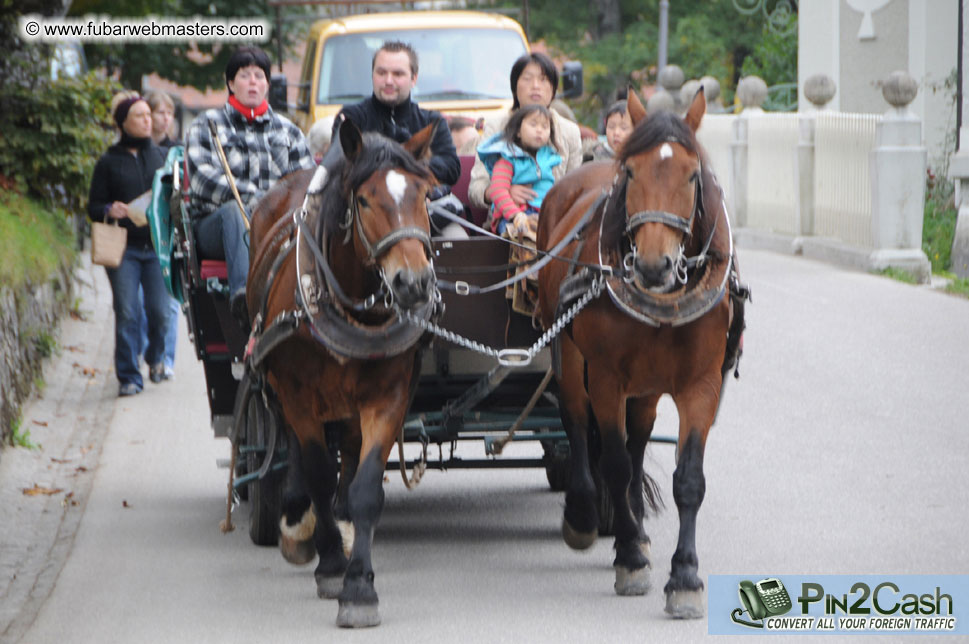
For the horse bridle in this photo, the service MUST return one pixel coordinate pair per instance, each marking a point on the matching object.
(377, 249)
(666, 218)
(671, 220)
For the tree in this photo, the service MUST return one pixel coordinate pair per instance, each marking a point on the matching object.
(706, 37)
(199, 65)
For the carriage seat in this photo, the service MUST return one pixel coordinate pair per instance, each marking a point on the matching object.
(460, 190)
(213, 268)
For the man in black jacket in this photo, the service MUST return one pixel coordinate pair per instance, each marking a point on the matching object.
(391, 111)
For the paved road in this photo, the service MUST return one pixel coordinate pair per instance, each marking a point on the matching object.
(840, 450)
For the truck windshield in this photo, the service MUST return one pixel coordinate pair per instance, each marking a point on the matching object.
(455, 64)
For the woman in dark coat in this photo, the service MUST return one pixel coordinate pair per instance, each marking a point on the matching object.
(122, 174)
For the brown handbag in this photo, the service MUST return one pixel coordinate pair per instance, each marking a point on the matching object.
(108, 242)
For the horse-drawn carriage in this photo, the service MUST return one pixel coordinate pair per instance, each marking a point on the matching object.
(465, 392)
(347, 288)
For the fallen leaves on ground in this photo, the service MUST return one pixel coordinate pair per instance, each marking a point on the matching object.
(90, 372)
(42, 423)
(73, 348)
(125, 504)
(40, 490)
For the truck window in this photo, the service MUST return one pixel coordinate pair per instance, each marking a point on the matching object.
(455, 64)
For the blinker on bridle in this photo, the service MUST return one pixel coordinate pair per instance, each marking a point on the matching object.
(669, 219)
(382, 245)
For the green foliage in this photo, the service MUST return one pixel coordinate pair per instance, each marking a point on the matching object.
(45, 343)
(898, 275)
(20, 437)
(938, 231)
(36, 241)
(958, 286)
(707, 37)
(774, 57)
(51, 136)
(200, 65)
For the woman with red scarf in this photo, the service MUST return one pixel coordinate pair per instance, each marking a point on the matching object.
(260, 146)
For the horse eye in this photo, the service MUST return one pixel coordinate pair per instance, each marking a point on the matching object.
(695, 176)
(629, 172)
(362, 202)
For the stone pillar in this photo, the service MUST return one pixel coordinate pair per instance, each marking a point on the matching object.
(671, 80)
(819, 90)
(752, 91)
(738, 157)
(687, 92)
(959, 172)
(897, 165)
(711, 91)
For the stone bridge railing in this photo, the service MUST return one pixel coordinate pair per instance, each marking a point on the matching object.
(848, 188)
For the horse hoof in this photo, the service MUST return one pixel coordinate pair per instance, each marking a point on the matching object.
(357, 615)
(577, 540)
(328, 587)
(295, 552)
(296, 541)
(631, 582)
(685, 604)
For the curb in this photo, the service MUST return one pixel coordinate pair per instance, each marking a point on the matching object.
(68, 420)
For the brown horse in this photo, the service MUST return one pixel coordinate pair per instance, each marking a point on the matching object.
(324, 290)
(662, 329)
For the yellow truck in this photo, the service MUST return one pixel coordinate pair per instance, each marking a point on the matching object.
(465, 58)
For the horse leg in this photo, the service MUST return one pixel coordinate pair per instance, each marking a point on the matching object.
(319, 468)
(298, 521)
(580, 520)
(697, 408)
(380, 421)
(640, 417)
(609, 407)
(349, 461)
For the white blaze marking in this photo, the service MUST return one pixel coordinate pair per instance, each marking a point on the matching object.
(666, 152)
(396, 185)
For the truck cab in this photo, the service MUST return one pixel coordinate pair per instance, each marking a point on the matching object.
(464, 56)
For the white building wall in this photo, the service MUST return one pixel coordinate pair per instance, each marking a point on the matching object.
(917, 36)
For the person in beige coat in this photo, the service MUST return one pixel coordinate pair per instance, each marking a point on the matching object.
(534, 79)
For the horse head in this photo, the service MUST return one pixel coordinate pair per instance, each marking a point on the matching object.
(662, 190)
(388, 186)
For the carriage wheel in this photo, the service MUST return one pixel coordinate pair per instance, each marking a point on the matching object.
(264, 494)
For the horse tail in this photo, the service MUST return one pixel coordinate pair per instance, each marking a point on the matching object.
(652, 495)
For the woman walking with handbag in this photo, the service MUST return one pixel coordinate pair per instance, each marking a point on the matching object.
(123, 173)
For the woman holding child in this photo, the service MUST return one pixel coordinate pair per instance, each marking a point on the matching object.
(534, 81)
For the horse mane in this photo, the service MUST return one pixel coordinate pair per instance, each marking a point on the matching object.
(378, 152)
(664, 127)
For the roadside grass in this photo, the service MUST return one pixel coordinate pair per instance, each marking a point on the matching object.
(20, 437)
(36, 241)
(938, 231)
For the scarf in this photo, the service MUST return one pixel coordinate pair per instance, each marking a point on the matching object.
(248, 112)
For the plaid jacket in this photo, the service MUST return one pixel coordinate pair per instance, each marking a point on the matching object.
(259, 153)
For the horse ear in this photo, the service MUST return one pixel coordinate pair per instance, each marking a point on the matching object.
(351, 140)
(419, 145)
(697, 109)
(635, 107)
